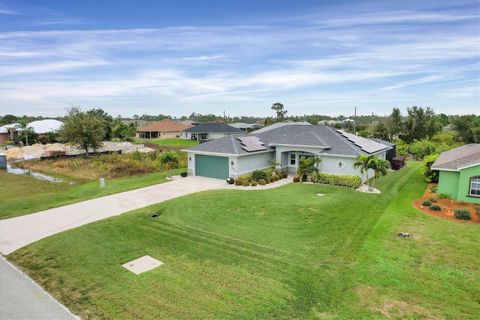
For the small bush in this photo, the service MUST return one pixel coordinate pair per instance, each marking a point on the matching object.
(238, 182)
(268, 180)
(245, 183)
(427, 203)
(296, 179)
(435, 207)
(434, 189)
(262, 182)
(254, 183)
(463, 214)
(336, 180)
(444, 196)
(259, 174)
(433, 200)
(10, 143)
(183, 174)
(230, 180)
(284, 175)
(397, 163)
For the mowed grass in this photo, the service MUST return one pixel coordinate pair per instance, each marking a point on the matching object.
(21, 195)
(171, 142)
(284, 253)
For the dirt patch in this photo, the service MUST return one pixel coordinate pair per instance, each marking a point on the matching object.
(448, 207)
(392, 308)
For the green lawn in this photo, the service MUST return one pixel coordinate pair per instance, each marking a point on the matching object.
(173, 142)
(284, 253)
(23, 194)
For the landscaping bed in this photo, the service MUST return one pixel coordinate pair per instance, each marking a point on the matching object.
(437, 206)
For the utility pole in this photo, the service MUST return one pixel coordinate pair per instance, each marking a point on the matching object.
(355, 121)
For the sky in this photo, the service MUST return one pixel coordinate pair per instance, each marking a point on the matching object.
(178, 57)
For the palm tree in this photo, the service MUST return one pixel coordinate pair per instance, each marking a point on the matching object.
(380, 168)
(366, 162)
(307, 167)
(363, 162)
(170, 161)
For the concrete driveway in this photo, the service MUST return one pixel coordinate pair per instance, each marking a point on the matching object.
(21, 298)
(21, 231)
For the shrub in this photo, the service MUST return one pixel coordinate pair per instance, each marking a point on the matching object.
(463, 214)
(296, 179)
(262, 182)
(427, 203)
(238, 182)
(268, 180)
(275, 178)
(184, 174)
(284, 175)
(435, 207)
(422, 148)
(245, 183)
(230, 180)
(444, 196)
(433, 200)
(10, 143)
(397, 163)
(336, 180)
(259, 174)
(430, 175)
(254, 183)
(434, 189)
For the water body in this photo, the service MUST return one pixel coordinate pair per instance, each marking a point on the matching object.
(37, 175)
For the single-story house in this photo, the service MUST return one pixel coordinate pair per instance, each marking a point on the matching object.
(459, 170)
(283, 145)
(163, 129)
(45, 126)
(9, 132)
(210, 131)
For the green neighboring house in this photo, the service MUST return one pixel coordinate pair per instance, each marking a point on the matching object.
(460, 173)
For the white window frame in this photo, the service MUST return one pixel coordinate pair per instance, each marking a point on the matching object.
(474, 185)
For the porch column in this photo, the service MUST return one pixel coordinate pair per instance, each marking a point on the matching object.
(278, 159)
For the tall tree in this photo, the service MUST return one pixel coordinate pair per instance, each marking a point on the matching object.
(83, 129)
(396, 124)
(280, 111)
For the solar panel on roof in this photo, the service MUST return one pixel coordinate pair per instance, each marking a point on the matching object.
(367, 145)
(251, 144)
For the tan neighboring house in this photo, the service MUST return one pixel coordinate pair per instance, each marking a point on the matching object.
(164, 129)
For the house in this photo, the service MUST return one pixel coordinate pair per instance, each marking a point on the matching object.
(189, 122)
(459, 170)
(209, 131)
(9, 132)
(283, 144)
(42, 127)
(163, 129)
(247, 127)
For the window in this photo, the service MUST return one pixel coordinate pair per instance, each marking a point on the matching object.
(193, 136)
(474, 186)
(292, 158)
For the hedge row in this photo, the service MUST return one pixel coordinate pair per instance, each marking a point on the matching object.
(345, 181)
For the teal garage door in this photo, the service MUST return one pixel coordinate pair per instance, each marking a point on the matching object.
(211, 166)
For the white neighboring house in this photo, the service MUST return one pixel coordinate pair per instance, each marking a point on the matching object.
(284, 144)
(209, 131)
(45, 126)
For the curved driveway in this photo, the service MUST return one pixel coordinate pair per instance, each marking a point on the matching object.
(21, 231)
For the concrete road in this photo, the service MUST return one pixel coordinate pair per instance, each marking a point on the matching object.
(21, 298)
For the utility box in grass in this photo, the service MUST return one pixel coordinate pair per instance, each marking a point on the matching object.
(3, 161)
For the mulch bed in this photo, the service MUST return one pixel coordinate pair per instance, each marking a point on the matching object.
(448, 207)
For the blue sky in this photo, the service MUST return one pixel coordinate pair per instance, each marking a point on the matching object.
(179, 57)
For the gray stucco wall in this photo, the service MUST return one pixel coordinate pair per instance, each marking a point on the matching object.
(245, 164)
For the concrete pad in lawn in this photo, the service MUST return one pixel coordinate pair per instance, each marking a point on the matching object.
(142, 264)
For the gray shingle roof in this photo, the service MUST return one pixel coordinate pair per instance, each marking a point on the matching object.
(213, 127)
(319, 136)
(458, 158)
